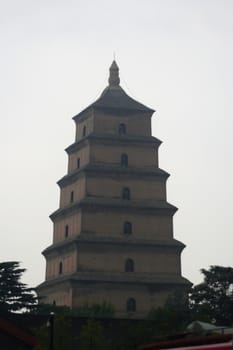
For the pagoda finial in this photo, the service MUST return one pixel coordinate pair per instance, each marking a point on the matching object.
(114, 79)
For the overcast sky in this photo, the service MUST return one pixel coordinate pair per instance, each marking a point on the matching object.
(175, 56)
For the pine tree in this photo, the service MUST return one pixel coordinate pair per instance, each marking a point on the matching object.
(14, 295)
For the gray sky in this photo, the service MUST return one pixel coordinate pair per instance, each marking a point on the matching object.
(175, 56)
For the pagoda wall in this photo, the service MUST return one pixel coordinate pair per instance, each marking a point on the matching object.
(118, 294)
(146, 260)
(82, 154)
(67, 259)
(110, 224)
(87, 122)
(73, 222)
(139, 155)
(137, 124)
(61, 295)
(79, 191)
(111, 187)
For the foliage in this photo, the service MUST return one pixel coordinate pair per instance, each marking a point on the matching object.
(14, 295)
(92, 337)
(213, 298)
(174, 316)
(103, 310)
(131, 334)
(63, 339)
(46, 309)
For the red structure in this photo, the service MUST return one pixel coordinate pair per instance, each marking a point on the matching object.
(14, 337)
(207, 342)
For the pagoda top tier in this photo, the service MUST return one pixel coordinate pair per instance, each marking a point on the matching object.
(115, 98)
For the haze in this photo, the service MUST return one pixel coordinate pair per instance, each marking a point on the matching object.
(174, 56)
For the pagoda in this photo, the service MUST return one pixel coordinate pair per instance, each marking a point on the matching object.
(113, 232)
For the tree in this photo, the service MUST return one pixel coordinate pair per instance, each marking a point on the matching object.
(47, 309)
(94, 310)
(133, 333)
(213, 298)
(92, 336)
(14, 295)
(63, 337)
(174, 316)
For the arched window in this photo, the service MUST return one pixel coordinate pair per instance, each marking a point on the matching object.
(66, 231)
(71, 196)
(84, 130)
(131, 305)
(127, 229)
(129, 265)
(60, 268)
(126, 193)
(122, 129)
(78, 163)
(124, 160)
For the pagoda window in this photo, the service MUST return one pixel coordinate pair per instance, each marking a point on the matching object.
(71, 196)
(126, 193)
(78, 163)
(124, 160)
(122, 129)
(60, 268)
(131, 305)
(129, 265)
(127, 229)
(84, 130)
(66, 231)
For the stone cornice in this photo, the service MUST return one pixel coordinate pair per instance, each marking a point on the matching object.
(129, 205)
(68, 210)
(126, 139)
(102, 169)
(129, 278)
(114, 139)
(99, 203)
(111, 111)
(125, 240)
(77, 145)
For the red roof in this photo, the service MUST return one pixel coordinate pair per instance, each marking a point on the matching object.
(16, 332)
(193, 343)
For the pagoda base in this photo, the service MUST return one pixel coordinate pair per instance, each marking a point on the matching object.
(76, 290)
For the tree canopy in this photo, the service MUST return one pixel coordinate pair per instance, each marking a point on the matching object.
(63, 336)
(95, 310)
(212, 300)
(92, 336)
(92, 310)
(174, 316)
(14, 295)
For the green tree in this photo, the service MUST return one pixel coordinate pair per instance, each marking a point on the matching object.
(213, 298)
(174, 316)
(63, 337)
(92, 336)
(132, 334)
(94, 310)
(14, 295)
(46, 309)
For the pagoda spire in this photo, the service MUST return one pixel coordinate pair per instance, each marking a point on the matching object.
(114, 79)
